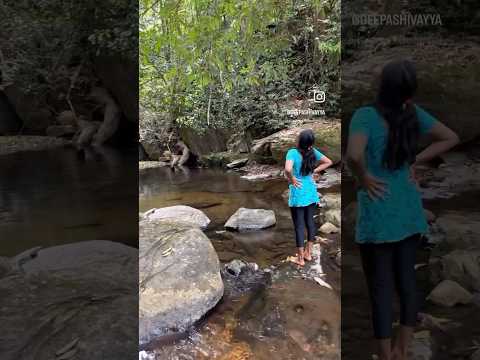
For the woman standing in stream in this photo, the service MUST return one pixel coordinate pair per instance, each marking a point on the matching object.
(302, 165)
(382, 155)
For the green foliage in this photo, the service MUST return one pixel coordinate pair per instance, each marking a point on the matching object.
(42, 41)
(232, 63)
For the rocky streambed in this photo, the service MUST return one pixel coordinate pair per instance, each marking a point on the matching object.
(231, 294)
(448, 266)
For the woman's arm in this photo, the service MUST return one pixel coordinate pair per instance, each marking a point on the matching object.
(444, 140)
(289, 174)
(324, 163)
(356, 162)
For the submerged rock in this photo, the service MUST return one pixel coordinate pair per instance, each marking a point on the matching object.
(180, 277)
(251, 219)
(179, 212)
(71, 301)
(449, 293)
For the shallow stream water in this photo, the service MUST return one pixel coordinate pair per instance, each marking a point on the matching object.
(62, 196)
(292, 317)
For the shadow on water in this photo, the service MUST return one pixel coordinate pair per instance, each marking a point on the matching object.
(62, 196)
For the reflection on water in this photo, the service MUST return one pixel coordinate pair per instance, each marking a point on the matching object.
(61, 196)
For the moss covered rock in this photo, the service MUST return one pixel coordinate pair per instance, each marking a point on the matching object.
(272, 149)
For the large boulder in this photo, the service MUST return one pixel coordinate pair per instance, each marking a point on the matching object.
(71, 301)
(272, 149)
(180, 277)
(251, 219)
(179, 212)
(209, 141)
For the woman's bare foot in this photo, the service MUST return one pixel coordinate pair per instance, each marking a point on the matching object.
(299, 257)
(308, 252)
(296, 260)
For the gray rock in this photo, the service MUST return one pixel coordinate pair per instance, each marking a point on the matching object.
(69, 296)
(179, 277)
(449, 293)
(331, 201)
(329, 178)
(237, 163)
(235, 267)
(251, 219)
(463, 267)
(461, 230)
(328, 228)
(334, 217)
(179, 212)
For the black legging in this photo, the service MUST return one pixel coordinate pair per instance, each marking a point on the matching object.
(303, 216)
(386, 266)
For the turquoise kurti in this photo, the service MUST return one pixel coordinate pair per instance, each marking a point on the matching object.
(307, 194)
(400, 214)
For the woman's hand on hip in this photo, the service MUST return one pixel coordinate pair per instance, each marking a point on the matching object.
(296, 183)
(374, 187)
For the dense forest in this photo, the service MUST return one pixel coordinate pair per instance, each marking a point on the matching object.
(63, 62)
(234, 64)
